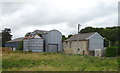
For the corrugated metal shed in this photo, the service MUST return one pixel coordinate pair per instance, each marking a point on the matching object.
(14, 43)
(53, 41)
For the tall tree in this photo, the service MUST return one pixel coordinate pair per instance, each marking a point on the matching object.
(6, 36)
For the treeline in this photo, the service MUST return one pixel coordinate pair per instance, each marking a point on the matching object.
(111, 35)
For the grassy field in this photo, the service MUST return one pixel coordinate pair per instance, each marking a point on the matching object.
(23, 61)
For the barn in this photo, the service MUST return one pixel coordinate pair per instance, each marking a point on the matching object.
(84, 43)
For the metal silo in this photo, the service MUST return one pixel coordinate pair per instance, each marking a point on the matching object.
(34, 44)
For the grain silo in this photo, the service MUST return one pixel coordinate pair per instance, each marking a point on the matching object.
(34, 44)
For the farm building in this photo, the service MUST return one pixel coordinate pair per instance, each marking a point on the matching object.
(53, 41)
(14, 44)
(39, 41)
(84, 43)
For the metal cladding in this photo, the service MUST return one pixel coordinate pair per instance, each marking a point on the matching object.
(34, 44)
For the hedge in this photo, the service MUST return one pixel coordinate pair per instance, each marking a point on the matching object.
(111, 51)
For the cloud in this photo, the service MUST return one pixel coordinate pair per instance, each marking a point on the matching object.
(63, 15)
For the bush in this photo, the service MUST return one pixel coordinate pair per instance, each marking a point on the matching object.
(111, 51)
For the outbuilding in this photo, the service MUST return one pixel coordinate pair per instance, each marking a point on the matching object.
(14, 44)
(84, 43)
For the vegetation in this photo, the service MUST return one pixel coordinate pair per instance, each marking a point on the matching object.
(24, 61)
(63, 38)
(70, 35)
(20, 46)
(6, 36)
(111, 51)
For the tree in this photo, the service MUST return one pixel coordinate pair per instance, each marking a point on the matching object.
(6, 36)
(63, 38)
(70, 35)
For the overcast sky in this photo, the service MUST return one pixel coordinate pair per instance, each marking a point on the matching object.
(63, 15)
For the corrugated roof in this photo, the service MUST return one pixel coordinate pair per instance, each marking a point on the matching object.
(17, 39)
(82, 36)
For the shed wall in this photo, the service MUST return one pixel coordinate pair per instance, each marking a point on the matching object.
(12, 44)
(71, 47)
(95, 42)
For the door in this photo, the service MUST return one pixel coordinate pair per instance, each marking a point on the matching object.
(52, 47)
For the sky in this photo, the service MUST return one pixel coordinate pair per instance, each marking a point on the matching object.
(24, 16)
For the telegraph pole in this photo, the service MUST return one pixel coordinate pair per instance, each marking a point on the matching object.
(78, 49)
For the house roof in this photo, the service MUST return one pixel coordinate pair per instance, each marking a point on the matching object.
(17, 39)
(82, 36)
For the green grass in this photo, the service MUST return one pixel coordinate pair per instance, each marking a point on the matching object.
(23, 61)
